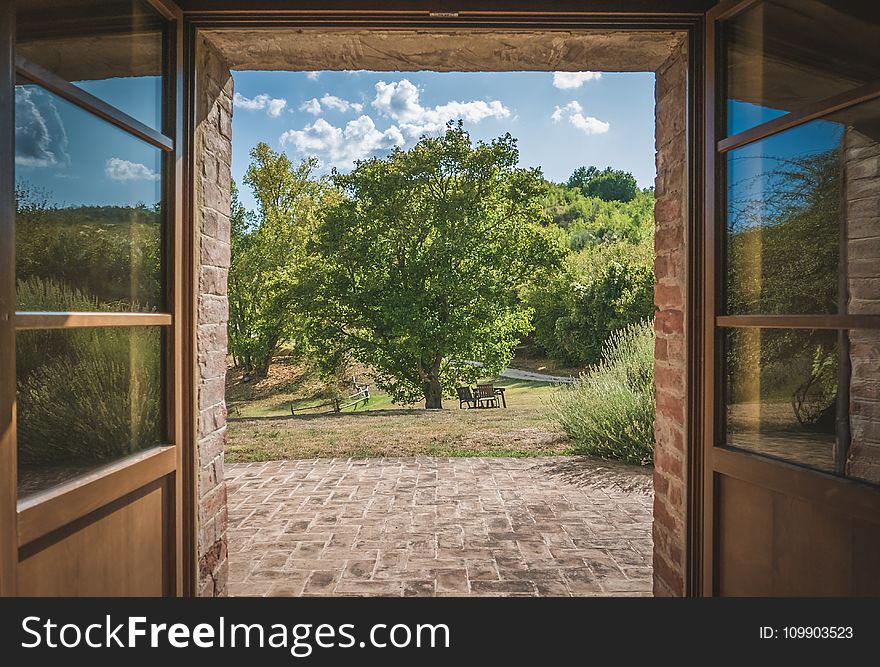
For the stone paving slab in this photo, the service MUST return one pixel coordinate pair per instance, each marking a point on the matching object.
(438, 527)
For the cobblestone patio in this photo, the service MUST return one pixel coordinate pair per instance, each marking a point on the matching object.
(556, 526)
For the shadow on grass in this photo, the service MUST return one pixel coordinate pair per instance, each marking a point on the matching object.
(588, 471)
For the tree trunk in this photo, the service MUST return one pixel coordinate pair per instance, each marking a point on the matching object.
(433, 393)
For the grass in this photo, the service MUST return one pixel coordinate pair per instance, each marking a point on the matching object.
(287, 382)
(382, 429)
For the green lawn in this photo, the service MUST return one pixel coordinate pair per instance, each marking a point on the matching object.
(261, 427)
(519, 393)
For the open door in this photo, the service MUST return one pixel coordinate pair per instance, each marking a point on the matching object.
(791, 486)
(94, 391)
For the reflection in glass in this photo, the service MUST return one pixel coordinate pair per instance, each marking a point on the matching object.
(88, 222)
(85, 397)
(803, 219)
(806, 396)
(781, 391)
(786, 53)
(113, 50)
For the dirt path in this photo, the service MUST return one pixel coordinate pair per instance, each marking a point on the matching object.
(516, 374)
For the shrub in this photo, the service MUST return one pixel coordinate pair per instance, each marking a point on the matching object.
(48, 295)
(609, 411)
(97, 402)
(84, 395)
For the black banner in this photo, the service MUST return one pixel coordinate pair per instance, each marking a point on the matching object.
(435, 631)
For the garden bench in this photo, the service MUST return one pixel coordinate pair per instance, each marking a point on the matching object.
(466, 396)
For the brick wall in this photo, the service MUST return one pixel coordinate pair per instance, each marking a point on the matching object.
(861, 181)
(213, 157)
(670, 292)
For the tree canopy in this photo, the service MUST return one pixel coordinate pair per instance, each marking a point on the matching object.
(602, 289)
(608, 184)
(418, 269)
(268, 247)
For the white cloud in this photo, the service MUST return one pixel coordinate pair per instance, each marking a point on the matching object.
(342, 146)
(40, 138)
(574, 113)
(567, 80)
(312, 76)
(118, 169)
(333, 102)
(560, 112)
(400, 102)
(273, 105)
(312, 106)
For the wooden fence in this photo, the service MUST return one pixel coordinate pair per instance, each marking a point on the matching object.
(361, 395)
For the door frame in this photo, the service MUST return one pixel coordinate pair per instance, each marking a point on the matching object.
(554, 15)
(8, 453)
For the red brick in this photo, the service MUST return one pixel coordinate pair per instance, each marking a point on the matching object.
(670, 380)
(675, 496)
(660, 349)
(211, 502)
(213, 155)
(669, 208)
(666, 542)
(667, 464)
(663, 516)
(211, 392)
(669, 434)
(669, 321)
(661, 267)
(213, 309)
(212, 280)
(670, 406)
(666, 238)
(211, 445)
(214, 252)
(661, 483)
(668, 296)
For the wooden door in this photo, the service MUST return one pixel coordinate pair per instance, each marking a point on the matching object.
(93, 330)
(791, 442)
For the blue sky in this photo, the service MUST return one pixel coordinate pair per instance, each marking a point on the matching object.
(758, 174)
(562, 121)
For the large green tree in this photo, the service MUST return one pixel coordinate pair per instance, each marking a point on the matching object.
(418, 269)
(268, 248)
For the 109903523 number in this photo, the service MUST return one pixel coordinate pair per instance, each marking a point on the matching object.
(817, 632)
